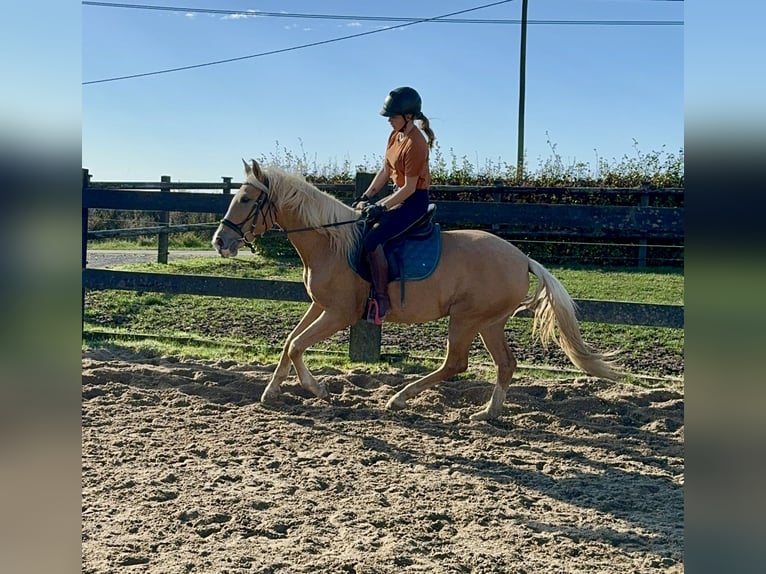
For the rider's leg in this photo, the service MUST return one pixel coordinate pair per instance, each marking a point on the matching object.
(379, 272)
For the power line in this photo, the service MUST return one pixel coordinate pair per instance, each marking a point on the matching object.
(437, 20)
(282, 50)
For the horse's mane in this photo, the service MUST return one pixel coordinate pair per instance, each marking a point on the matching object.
(315, 208)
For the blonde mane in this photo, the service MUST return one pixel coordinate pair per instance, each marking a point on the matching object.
(315, 208)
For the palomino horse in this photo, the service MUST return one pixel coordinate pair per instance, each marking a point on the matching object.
(480, 281)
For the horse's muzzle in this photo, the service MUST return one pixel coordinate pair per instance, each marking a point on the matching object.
(222, 249)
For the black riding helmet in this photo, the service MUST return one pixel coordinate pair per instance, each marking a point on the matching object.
(404, 100)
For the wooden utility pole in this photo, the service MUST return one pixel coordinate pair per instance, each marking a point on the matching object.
(522, 88)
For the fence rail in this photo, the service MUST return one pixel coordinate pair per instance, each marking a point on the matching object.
(636, 222)
(592, 221)
(137, 231)
(590, 310)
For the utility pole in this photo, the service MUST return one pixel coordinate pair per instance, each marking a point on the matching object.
(522, 88)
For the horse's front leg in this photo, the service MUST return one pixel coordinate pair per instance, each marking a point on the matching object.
(327, 324)
(271, 393)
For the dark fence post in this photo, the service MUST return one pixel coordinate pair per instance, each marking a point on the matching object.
(642, 242)
(85, 183)
(364, 338)
(162, 243)
(497, 197)
(226, 191)
(226, 185)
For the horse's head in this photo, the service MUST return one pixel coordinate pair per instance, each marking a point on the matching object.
(249, 214)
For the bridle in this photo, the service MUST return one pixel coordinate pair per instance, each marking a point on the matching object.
(263, 206)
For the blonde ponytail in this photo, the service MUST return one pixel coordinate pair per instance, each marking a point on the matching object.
(425, 125)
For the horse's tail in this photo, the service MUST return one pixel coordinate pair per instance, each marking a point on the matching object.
(552, 306)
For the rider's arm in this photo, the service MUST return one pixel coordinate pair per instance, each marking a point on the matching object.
(379, 181)
(410, 183)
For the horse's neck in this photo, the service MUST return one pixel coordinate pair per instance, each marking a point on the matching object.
(312, 246)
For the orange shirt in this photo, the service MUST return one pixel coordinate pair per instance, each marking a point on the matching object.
(408, 157)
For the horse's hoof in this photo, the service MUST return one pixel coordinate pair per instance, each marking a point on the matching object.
(484, 415)
(323, 394)
(269, 396)
(396, 404)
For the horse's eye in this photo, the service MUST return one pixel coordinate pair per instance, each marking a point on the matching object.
(244, 199)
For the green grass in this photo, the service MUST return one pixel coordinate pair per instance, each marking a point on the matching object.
(175, 241)
(661, 286)
(246, 266)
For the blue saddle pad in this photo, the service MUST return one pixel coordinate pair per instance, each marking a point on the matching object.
(410, 258)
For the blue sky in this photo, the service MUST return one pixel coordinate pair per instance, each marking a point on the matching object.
(591, 90)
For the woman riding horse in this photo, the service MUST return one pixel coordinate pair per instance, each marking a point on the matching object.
(480, 282)
(406, 164)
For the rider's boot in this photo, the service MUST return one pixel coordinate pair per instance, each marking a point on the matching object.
(380, 305)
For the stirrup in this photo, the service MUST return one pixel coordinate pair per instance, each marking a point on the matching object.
(373, 312)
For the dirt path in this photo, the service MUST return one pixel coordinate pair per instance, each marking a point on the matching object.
(101, 258)
(185, 471)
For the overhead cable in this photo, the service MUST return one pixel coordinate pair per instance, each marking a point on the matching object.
(292, 48)
(436, 20)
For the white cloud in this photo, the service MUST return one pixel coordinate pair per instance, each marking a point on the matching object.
(251, 14)
(296, 27)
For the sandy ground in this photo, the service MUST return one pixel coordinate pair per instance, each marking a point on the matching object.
(183, 470)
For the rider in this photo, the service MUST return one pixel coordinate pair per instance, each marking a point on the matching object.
(406, 164)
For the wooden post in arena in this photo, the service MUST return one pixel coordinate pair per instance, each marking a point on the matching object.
(364, 338)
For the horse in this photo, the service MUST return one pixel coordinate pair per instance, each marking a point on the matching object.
(480, 282)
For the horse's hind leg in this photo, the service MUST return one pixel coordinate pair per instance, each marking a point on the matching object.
(495, 342)
(273, 389)
(458, 345)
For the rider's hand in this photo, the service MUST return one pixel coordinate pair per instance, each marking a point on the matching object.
(373, 211)
(361, 202)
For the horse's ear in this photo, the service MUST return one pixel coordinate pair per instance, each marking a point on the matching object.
(248, 171)
(256, 170)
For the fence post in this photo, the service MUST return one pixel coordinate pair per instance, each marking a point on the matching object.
(226, 185)
(164, 219)
(364, 338)
(85, 183)
(497, 198)
(226, 191)
(642, 242)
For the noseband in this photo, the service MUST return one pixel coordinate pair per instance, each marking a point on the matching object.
(262, 206)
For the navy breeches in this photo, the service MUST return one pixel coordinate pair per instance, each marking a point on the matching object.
(393, 222)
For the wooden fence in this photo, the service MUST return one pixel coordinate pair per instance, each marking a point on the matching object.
(642, 223)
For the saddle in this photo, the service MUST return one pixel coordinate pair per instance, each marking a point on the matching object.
(412, 255)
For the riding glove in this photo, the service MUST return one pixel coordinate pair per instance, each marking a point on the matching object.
(373, 212)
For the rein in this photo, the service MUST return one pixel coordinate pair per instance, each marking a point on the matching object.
(326, 225)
